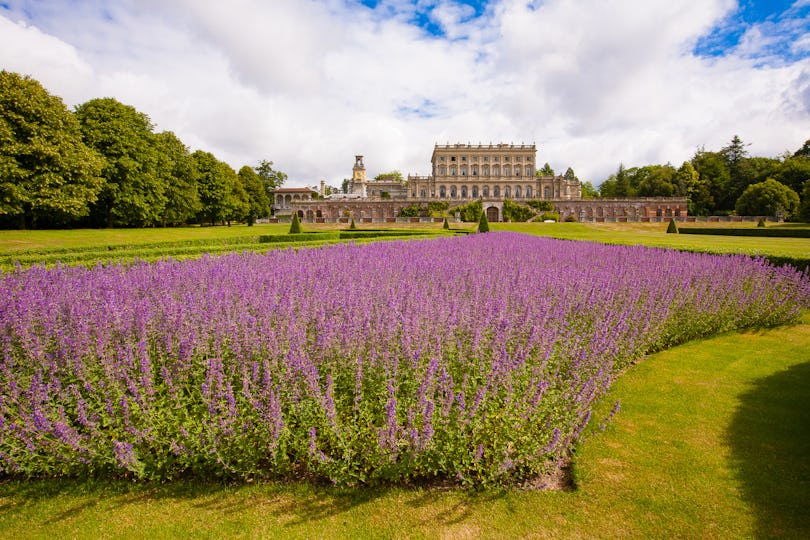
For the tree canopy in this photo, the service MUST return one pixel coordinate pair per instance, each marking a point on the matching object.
(767, 198)
(46, 170)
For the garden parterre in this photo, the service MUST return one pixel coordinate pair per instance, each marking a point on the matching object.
(474, 359)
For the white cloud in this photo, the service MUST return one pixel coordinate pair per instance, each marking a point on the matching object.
(310, 84)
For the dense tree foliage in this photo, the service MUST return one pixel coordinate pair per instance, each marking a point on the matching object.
(545, 170)
(133, 195)
(768, 198)
(714, 181)
(103, 165)
(46, 172)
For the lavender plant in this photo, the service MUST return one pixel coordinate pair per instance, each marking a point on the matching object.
(477, 358)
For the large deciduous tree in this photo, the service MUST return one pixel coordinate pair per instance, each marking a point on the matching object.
(178, 172)
(767, 199)
(46, 171)
(133, 195)
(258, 199)
(222, 197)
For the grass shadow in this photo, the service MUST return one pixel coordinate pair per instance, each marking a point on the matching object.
(769, 439)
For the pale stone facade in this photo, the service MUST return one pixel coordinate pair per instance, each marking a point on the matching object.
(462, 173)
(497, 171)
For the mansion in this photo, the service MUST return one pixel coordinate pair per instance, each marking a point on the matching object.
(462, 173)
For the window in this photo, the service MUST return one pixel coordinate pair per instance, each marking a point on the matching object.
(506, 191)
(496, 191)
(517, 192)
(517, 158)
(464, 170)
(442, 192)
(441, 158)
(486, 158)
(452, 191)
(485, 191)
(464, 192)
(463, 158)
(442, 170)
(528, 192)
(475, 192)
(528, 170)
(506, 158)
(422, 193)
(452, 171)
(452, 158)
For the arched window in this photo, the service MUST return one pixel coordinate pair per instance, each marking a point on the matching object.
(422, 193)
(496, 191)
(463, 192)
(442, 191)
(506, 192)
(485, 191)
(517, 192)
(475, 192)
(453, 191)
(528, 192)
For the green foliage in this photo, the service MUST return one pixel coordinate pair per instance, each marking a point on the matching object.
(483, 224)
(352, 226)
(541, 206)
(134, 195)
(546, 170)
(672, 228)
(46, 170)
(295, 226)
(761, 222)
(178, 172)
(550, 216)
(469, 213)
(271, 178)
(516, 212)
(258, 200)
(767, 199)
(413, 210)
(389, 176)
(445, 225)
(748, 231)
(804, 209)
(437, 208)
(222, 196)
(588, 191)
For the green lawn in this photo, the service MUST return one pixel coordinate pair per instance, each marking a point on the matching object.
(654, 234)
(711, 441)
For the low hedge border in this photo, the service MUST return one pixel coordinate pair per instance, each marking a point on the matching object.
(766, 232)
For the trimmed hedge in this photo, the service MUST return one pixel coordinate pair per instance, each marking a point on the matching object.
(771, 232)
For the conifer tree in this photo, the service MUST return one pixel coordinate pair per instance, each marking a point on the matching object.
(672, 228)
(295, 228)
(483, 224)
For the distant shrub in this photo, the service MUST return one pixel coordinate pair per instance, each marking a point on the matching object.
(352, 226)
(541, 206)
(483, 223)
(761, 222)
(672, 228)
(513, 211)
(295, 227)
(445, 225)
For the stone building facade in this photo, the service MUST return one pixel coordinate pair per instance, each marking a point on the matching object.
(462, 173)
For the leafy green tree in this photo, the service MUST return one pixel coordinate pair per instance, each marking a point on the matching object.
(794, 172)
(396, 175)
(617, 185)
(569, 174)
(221, 195)
(686, 180)
(133, 195)
(271, 178)
(46, 170)
(655, 181)
(178, 172)
(713, 171)
(766, 199)
(588, 191)
(804, 209)
(258, 200)
(546, 170)
(346, 186)
(804, 151)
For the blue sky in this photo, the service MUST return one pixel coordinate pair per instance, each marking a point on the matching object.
(311, 83)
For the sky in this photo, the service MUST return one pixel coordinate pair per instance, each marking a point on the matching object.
(309, 84)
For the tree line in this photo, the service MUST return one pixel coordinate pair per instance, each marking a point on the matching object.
(103, 165)
(723, 182)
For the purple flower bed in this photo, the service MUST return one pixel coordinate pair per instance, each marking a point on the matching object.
(477, 359)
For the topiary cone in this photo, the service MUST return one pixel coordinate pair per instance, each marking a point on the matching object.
(672, 228)
(295, 227)
(483, 224)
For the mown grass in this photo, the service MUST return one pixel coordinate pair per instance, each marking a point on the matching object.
(711, 442)
(655, 235)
